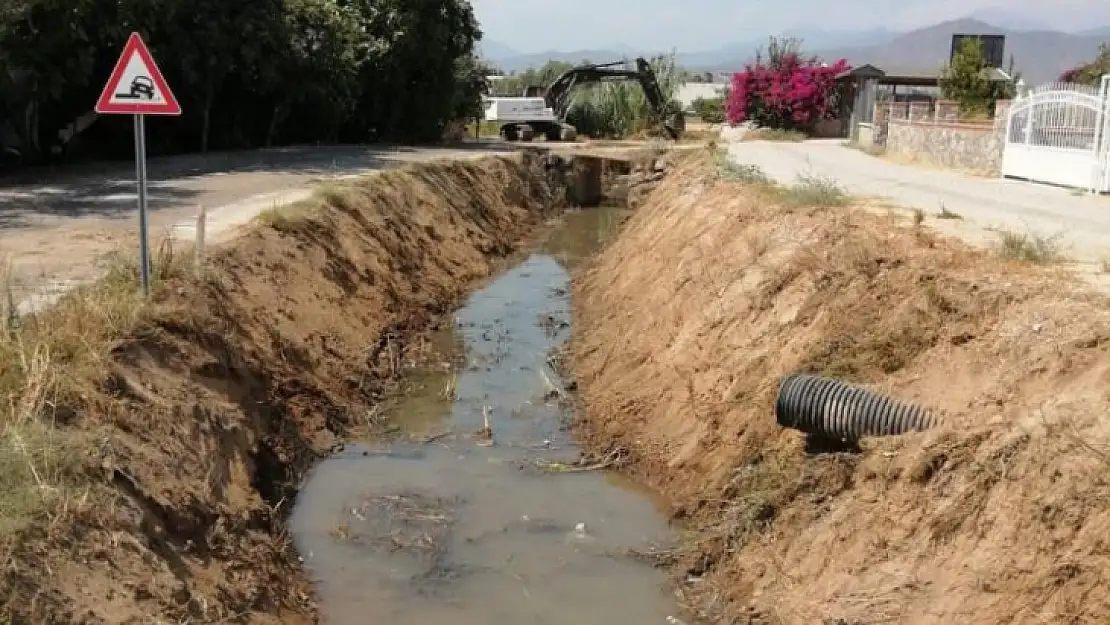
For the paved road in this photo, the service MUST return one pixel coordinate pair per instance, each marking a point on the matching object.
(1082, 222)
(56, 225)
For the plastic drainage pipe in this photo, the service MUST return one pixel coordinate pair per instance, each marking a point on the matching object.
(832, 408)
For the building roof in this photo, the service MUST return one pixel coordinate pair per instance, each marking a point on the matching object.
(893, 75)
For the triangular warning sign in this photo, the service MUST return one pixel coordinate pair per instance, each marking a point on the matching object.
(137, 86)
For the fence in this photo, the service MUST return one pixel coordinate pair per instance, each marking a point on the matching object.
(1059, 133)
(933, 132)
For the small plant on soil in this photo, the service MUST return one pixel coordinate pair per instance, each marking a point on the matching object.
(286, 219)
(947, 214)
(747, 174)
(1030, 248)
(813, 190)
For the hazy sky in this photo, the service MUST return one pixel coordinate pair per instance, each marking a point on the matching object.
(692, 25)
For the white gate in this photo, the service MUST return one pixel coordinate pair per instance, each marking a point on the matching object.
(1060, 134)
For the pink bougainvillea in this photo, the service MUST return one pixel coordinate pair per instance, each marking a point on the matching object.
(792, 94)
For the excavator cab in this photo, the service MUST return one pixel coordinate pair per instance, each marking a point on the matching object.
(535, 91)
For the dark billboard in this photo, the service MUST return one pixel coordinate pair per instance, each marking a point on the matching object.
(993, 46)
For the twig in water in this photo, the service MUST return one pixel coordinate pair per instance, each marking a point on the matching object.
(614, 459)
(435, 437)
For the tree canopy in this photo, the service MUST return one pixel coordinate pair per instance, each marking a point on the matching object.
(248, 74)
(965, 82)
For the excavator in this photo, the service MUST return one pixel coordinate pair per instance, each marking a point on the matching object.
(543, 110)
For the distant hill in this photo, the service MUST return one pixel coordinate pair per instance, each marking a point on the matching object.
(1040, 55)
(510, 60)
(1103, 32)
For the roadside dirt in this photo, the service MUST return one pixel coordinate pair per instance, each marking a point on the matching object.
(1000, 515)
(180, 429)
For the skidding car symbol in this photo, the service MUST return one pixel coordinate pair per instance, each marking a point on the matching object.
(142, 87)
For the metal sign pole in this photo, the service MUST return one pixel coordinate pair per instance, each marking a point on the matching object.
(140, 174)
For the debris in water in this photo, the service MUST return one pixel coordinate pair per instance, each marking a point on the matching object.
(612, 460)
(485, 435)
(409, 522)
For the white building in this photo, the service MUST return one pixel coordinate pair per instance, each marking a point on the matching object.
(691, 91)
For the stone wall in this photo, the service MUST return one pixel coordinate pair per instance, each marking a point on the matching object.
(934, 133)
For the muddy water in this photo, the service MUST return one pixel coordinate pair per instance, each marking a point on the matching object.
(455, 528)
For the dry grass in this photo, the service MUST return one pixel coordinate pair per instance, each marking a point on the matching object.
(747, 174)
(817, 191)
(293, 218)
(808, 190)
(47, 361)
(1030, 248)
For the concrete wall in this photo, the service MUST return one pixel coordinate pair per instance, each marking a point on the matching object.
(865, 134)
(922, 131)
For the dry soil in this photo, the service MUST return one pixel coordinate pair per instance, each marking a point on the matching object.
(1001, 514)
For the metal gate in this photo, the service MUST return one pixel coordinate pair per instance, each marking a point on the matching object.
(1060, 134)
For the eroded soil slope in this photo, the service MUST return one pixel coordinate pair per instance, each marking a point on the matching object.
(190, 428)
(1000, 515)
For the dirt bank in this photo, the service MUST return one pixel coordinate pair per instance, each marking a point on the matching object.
(150, 452)
(1000, 515)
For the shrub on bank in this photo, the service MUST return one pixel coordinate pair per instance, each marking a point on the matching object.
(710, 110)
(1090, 73)
(790, 93)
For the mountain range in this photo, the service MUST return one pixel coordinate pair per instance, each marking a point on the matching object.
(1040, 55)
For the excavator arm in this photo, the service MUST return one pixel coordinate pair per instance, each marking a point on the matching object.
(557, 95)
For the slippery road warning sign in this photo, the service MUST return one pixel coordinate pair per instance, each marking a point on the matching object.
(136, 86)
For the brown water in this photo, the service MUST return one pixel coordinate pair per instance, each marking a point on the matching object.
(456, 531)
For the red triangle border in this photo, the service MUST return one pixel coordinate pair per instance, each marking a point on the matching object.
(104, 104)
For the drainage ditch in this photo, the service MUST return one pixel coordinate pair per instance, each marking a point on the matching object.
(478, 512)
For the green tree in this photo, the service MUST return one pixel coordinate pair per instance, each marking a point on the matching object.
(965, 81)
(778, 52)
(710, 110)
(253, 73)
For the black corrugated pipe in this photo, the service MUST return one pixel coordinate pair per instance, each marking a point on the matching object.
(832, 408)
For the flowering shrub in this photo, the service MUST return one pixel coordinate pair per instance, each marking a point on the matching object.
(1090, 73)
(789, 94)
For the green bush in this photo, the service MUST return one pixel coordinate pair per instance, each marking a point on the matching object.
(710, 110)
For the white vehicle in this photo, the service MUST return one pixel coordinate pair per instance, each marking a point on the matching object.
(520, 118)
(544, 109)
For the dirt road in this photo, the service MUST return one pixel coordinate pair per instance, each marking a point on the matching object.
(54, 226)
(1081, 222)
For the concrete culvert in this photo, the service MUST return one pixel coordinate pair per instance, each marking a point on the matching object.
(828, 407)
